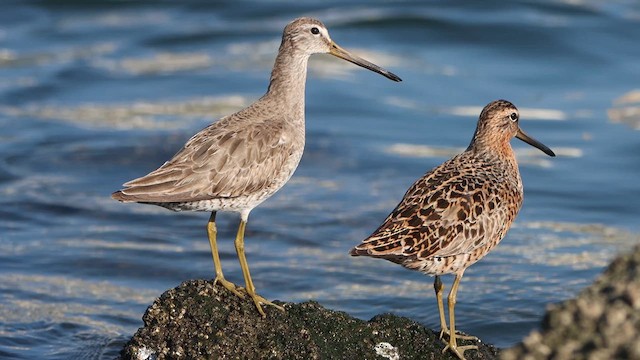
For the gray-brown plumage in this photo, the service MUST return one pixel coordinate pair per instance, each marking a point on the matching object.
(457, 212)
(241, 160)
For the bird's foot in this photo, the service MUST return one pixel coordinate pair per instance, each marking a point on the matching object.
(229, 286)
(259, 301)
(458, 350)
(452, 344)
(443, 330)
(459, 335)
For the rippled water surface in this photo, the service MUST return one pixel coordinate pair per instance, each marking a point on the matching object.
(93, 94)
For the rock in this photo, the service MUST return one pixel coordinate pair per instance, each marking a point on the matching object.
(197, 320)
(602, 322)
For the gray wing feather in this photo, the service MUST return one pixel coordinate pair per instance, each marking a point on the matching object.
(227, 159)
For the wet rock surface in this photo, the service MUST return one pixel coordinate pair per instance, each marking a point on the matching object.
(199, 321)
(602, 322)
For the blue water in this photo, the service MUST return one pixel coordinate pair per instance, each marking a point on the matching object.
(93, 94)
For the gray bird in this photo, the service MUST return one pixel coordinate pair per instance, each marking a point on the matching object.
(242, 159)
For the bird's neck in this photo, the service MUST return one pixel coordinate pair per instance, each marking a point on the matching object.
(495, 146)
(492, 143)
(288, 78)
(501, 157)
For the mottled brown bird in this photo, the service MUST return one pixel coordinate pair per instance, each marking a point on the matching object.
(456, 213)
(241, 160)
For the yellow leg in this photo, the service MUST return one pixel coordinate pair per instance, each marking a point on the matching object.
(444, 330)
(453, 345)
(251, 290)
(437, 285)
(212, 231)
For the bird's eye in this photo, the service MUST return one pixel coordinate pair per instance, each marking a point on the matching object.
(514, 116)
(315, 31)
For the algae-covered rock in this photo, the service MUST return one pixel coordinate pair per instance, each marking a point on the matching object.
(602, 322)
(197, 320)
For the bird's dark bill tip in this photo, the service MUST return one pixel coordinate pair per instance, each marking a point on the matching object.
(392, 76)
(338, 51)
(535, 143)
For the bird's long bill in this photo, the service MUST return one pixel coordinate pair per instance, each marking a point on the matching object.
(533, 142)
(344, 54)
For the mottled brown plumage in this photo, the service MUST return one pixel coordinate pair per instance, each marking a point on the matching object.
(241, 160)
(457, 212)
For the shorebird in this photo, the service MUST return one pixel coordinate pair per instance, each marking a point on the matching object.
(456, 213)
(242, 159)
